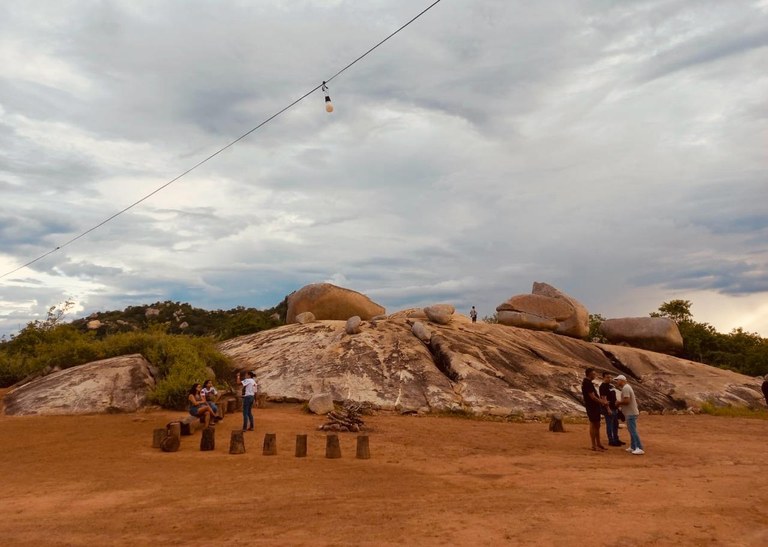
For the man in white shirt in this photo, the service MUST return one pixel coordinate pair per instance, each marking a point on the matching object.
(629, 404)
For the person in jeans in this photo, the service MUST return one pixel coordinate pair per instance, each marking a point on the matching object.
(249, 395)
(631, 411)
(611, 412)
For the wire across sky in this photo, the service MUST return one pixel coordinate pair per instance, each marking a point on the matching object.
(222, 149)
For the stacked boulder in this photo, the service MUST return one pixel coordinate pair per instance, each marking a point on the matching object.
(659, 334)
(329, 302)
(546, 308)
(442, 314)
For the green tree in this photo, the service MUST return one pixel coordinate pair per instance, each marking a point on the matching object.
(594, 328)
(677, 310)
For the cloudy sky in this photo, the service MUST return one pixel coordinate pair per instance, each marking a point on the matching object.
(616, 150)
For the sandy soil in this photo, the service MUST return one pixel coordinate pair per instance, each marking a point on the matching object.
(95, 480)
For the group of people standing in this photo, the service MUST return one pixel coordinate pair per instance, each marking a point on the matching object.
(607, 403)
(202, 401)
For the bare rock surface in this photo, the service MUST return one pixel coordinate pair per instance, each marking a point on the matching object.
(328, 301)
(652, 333)
(482, 368)
(119, 384)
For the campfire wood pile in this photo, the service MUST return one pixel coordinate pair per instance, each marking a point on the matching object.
(346, 419)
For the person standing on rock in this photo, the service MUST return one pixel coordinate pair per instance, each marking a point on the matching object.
(611, 412)
(593, 404)
(473, 314)
(249, 395)
(629, 402)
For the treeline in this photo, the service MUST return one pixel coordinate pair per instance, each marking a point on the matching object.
(179, 341)
(738, 350)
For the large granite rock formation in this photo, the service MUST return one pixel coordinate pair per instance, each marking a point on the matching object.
(326, 301)
(652, 333)
(480, 367)
(119, 384)
(546, 308)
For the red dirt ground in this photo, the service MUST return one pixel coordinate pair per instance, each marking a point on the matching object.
(95, 480)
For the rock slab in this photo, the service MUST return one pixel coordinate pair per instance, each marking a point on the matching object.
(119, 384)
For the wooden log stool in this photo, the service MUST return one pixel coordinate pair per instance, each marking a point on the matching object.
(174, 428)
(301, 446)
(158, 435)
(231, 406)
(208, 439)
(270, 445)
(363, 450)
(332, 447)
(237, 442)
(556, 423)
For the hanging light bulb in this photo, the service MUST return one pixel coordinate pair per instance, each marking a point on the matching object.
(328, 103)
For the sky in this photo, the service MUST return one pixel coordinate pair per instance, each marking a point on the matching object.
(615, 150)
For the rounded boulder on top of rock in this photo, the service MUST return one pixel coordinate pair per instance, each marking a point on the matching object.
(353, 325)
(304, 318)
(329, 302)
(658, 334)
(525, 320)
(421, 331)
(440, 313)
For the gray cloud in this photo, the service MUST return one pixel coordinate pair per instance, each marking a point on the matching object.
(611, 149)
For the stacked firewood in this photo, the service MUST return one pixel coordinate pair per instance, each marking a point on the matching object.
(346, 419)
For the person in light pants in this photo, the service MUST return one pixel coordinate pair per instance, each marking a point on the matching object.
(629, 404)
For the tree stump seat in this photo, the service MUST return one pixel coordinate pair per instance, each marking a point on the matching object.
(190, 424)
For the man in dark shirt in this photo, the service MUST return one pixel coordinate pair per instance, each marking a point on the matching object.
(611, 412)
(765, 389)
(592, 404)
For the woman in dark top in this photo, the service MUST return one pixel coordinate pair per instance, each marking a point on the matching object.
(197, 405)
(593, 404)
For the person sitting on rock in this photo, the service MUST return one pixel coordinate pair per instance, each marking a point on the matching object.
(210, 394)
(198, 407)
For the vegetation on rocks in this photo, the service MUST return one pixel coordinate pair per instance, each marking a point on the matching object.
(740, 351)
(180, 355)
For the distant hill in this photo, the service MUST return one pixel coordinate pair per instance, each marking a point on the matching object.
(182, 318)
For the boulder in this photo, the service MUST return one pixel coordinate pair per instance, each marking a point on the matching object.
(652, 333)
(321, 403)
(94, 324)
(577, 325)
(119, 384)
(541, 306)
(421, 331)
(525, 320)
(353, 325)
(305, 317)
(546, 308)
(440, 313)
(328, 301)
